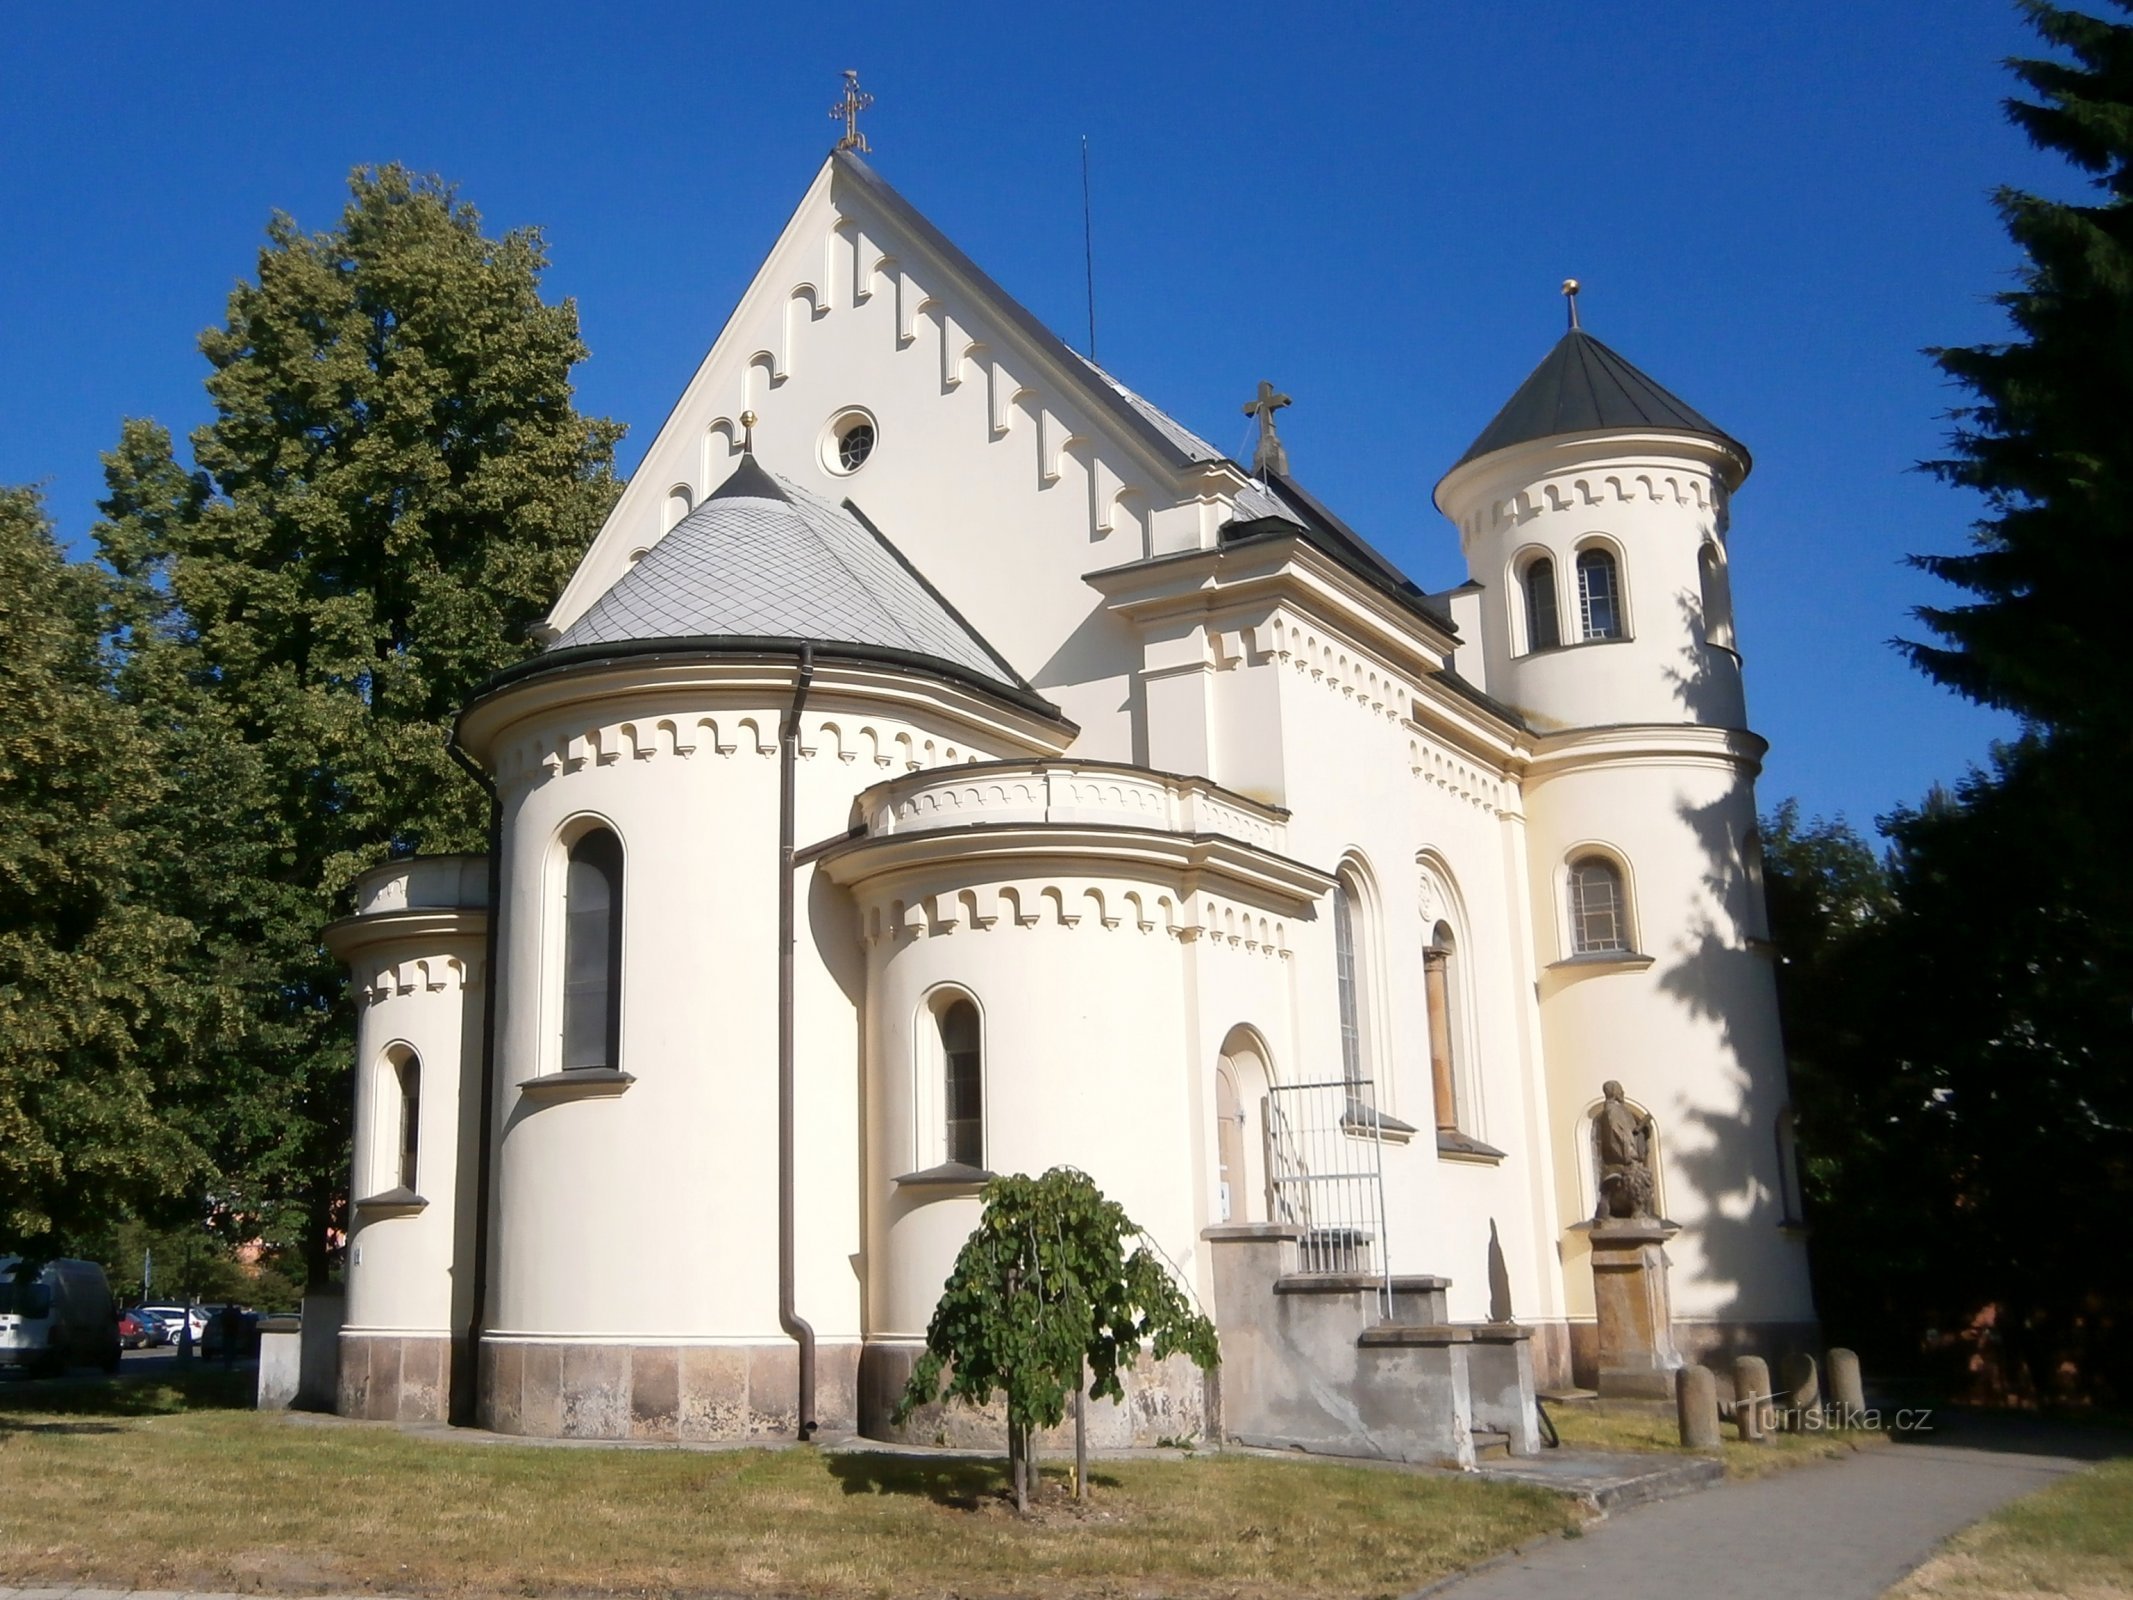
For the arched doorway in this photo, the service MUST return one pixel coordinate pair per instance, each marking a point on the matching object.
(1241, 1078)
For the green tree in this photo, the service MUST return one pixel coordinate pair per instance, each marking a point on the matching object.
(394, 486)
(2045, 441)
(1042, 1286)
(103, 1007)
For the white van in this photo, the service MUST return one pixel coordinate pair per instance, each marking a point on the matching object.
(60, 1317)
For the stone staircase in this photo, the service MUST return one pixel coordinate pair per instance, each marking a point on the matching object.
(1310, 1361)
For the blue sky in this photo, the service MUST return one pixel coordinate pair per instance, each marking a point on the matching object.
(1772, 208)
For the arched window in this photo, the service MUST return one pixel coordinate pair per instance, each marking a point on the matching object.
(1599, 915)
(1716, 595)
(1351, 977)
(408, 1070)
(963, 1083)
(678, 506)
(1788, 1153)
(592, 953)
(1440, 982)
(1544, 630)
(1599, 595)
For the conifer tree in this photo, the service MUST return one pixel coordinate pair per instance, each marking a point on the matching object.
(2046, 441)
(394, 486)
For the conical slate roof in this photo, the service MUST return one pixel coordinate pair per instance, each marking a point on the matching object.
(1583, 386)
(762, 559)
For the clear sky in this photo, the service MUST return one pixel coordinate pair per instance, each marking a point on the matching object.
(1772, 209)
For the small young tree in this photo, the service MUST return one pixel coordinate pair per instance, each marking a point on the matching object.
(1042, 1286)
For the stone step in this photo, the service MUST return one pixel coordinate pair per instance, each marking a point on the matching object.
(1491, 1444)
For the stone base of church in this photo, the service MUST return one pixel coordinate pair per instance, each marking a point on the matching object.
(1551, 1355)
(1167, 1402)
(1711, 1344)
(395, 1377)
(578, 1390)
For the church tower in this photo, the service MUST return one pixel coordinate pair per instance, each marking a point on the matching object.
(1593, 515)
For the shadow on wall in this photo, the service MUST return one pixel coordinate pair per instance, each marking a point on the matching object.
(1499, 1278)
(1732, 1158)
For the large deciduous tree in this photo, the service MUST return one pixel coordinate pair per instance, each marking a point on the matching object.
(104, 1001)
(395, 484)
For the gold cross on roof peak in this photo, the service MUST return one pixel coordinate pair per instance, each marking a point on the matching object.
(1270, 455)
(855, 101)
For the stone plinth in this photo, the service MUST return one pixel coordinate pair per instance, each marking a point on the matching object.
(1637, 1358)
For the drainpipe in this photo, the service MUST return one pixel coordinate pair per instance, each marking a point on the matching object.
(796, 1328)
(466, 1360)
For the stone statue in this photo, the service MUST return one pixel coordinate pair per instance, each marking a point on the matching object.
(1622, 1138)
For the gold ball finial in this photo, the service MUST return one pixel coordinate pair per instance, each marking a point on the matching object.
(1570, 299)
(748, 432)
(1570, 286)
(748, 419)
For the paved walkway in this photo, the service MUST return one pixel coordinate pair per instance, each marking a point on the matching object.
(1842, 1531)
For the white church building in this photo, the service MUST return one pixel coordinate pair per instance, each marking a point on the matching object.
(944, 763)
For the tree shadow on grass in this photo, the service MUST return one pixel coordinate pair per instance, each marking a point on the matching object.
(22, 1402)
(961, 1483)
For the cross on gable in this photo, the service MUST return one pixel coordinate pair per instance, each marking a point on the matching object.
(855, 101)
(1270, 455)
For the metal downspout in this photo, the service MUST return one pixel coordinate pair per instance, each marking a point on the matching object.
(466, 1358)
(796, 1328)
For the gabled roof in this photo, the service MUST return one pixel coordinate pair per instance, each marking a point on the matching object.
(1259, 506)
(762, 561)
(1582, 386)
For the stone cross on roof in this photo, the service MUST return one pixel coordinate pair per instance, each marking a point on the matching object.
(1269, 456)
(855, 101)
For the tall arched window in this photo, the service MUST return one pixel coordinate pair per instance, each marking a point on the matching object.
(408, 1070)
(1544, 630)
(1599, 916)
(592, 953)
(1716, 596)
(1351, 977)
(1599, 595)
(963, 1083)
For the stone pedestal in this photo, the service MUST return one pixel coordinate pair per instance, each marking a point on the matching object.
(1635, 1315)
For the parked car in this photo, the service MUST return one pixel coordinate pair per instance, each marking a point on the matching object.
(56, 1316)
(139, 1329)
(177, 1316)
(159, 1328)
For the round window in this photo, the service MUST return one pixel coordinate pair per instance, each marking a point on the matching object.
(848, 442)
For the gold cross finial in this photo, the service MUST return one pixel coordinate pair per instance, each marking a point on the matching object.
(1270, 456)
(855, 101)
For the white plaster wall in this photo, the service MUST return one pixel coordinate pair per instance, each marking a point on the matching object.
(651, 1215)
(1693, 1037)
(400, 1277)
(1654, 502)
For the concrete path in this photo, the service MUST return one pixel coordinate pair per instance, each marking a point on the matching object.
(1841, 1531)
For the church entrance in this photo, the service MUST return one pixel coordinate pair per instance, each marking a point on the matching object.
(1240, 1116)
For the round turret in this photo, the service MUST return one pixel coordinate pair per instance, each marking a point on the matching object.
(1592, 513)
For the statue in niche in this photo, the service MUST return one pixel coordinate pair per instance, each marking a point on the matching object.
(1622, 1142)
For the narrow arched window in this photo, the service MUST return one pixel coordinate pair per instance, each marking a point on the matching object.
(592, 953)
(1599, 920)
(1440, 982)
(1544, 630)
(1348, 982)
(1716, 596)
(409, 1073)
(963, 1064)
(1599, 595)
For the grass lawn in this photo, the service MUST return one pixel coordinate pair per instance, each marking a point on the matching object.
(2073, 1539)
(150, 1485)
(1599, 1426)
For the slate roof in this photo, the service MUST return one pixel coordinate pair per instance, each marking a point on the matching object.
(762, 559)
(1583, 386)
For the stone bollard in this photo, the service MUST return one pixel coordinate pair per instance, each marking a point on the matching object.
(1846, 1392)
(1696, 1404)
(1803, 1385)
(1751, 1382)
